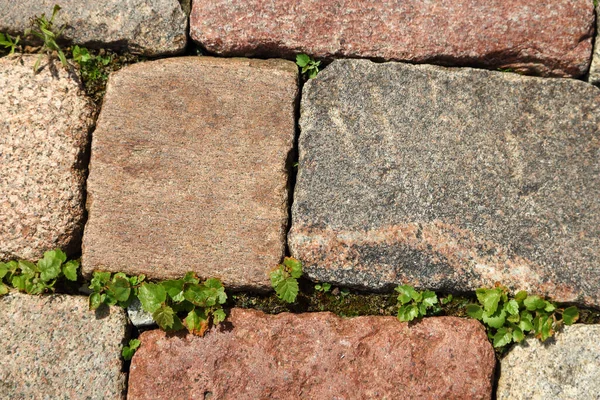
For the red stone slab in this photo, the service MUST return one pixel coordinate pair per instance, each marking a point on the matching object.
(540, 37)
(317, 356)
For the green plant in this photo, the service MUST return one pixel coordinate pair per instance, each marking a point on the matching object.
(323, 287)
(284, 279)
(168, 301)
(9, 42)
(129, 350)
(415, 304)
(44, 29)
(509, 320)
(40, 277)
(310, 67)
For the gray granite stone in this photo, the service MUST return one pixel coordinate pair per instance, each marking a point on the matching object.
(44, 132)
(138, 316)
(449, 179)
(53, 347)
(147, 27)
(594, 75)
(567, 367)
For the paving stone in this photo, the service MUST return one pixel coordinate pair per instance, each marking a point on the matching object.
(594, 76)
(53, 347)
(147, 27)
(551, 38)
(44, 131)
(316, 356)
(188, 170)
(567, 367)
(449, 179)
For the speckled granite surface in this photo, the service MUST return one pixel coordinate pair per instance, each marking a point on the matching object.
(566, 367)
(53, 347)
(44, 123)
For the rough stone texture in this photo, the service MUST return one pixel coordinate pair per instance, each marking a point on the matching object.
(449, 179)
(188, 170)
(52, 347)
(138, 316)
(540, 37)
(565, 368)
(44, 130)
(317, 356)
(148, 27)
(594, 76)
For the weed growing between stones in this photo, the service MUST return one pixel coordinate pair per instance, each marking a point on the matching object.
(129, 350)
(284, 279)
(40, 277)
(415, 304)
(9, 42)
(44, 29)
(168, 301)
(310, 67)
(509, 320)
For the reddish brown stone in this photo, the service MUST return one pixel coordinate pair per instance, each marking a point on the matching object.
(317, 356)
(188, 170)
(541, 37)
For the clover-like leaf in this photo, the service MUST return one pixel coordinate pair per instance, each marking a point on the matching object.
(502, 337)
(570, 315)
(287, 290)
(151, 296)
(164, 316)
(69, 270)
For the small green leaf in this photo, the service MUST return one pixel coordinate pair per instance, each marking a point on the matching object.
(129, 351)
(533, 303)
(520, 296)
(3, 270)
(164, 316)
(495, 320)
(151, 296)
(429, 298)
(512, 307)
(70, 270)
(95, 301)
(119, 289)
(277, 276)
(474, 311)
(219, 316)
(287, 290)
(196, 322)
(27, 268)
(408, 312)
(549, 307)
(570, 315)
(3, 289)
(406, 293)
(489, 298)
(518, 335)
(447, 299)
(294, 267)
(190, 277)
(502, 337)
(173, 287)
(302, 60)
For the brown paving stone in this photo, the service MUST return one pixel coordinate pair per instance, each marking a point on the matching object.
(540, 37)
(188, 169)
(317, 356)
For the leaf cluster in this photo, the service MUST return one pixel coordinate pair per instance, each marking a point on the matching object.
(310, 67)
(9, 42)
(510, 319)
(129, 350)
(92, 67)
(416, 304)
(44, 29)
(174, 304)
(284, 279)
(323, 287)
(40, 277)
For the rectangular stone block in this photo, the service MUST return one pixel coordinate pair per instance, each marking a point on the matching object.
(594, 75)
(53, 347)
(316, 356)
(45, 119)
(188, 170)
(449, 179)
(147, 27)
(552, 38)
